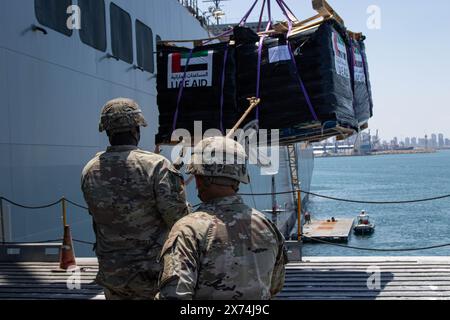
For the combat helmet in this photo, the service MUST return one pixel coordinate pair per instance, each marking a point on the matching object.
(121, 115)
(219, 157)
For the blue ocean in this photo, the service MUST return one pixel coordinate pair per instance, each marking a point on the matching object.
(385, 178)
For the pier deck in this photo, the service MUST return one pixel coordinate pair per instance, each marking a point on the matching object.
(334, 278)
(338, 231)
(368, 278)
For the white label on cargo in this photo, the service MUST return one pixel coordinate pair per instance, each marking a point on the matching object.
(198, 72)
(340, 55)
(360, 75)
(280, 53)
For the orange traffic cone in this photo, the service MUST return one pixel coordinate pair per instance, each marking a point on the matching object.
(67, 254)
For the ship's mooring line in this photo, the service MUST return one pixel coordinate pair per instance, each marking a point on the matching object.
(310, 238)
(77, 205)
(43, 206)
(83, 242)
(348, 200)
(46, 241)
(251, 195)
(31, 207)
(31, 242)
(377, 249)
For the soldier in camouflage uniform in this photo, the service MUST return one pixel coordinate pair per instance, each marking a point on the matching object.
(225, 250)
(134, 197)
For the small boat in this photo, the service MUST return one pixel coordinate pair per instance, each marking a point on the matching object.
(364, 226)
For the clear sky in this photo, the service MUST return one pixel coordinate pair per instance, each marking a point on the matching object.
(409, 59)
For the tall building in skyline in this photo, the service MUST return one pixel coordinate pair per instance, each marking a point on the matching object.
(434, 141)
(421, 142)
(395, 141)
(441, 141)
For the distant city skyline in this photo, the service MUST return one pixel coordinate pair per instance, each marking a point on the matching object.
(404, 138)
(433, 140)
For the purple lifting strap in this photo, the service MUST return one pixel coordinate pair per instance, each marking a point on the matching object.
(244, 19)
(299, 78)
(288, 9)
(180, 91)
(221, 92)
(269, 10)
(261, 15)
(258, 71)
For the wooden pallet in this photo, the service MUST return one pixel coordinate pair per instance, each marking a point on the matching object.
(324, 12)
(315, 133)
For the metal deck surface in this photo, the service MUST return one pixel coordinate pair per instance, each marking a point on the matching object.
(43, 280)
(335, 278)
(368, 278)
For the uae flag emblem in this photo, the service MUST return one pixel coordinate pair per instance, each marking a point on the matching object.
(340, 55)
(198, 73)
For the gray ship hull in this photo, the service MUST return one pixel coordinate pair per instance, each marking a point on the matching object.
(52, 87)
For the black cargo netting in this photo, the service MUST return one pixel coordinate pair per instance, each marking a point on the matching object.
(318, 80)
(202, 92)
(362, 99)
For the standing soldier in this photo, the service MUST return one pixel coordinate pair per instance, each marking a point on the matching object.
(225, 250)
(134, 197)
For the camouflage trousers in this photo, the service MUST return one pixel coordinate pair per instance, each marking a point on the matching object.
(142, 286)
(127, 294)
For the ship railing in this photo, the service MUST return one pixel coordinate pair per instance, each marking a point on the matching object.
(192, 7)
(63, 201)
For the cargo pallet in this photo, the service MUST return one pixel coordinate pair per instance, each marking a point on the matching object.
(310, 133)
(315, 133)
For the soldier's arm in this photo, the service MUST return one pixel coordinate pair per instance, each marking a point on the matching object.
(279, 269)
(180, 258)
(170, 194)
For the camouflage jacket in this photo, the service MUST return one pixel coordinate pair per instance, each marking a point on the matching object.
(134, 197)
(225, 250)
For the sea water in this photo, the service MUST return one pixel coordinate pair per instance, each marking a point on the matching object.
(385, 178)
